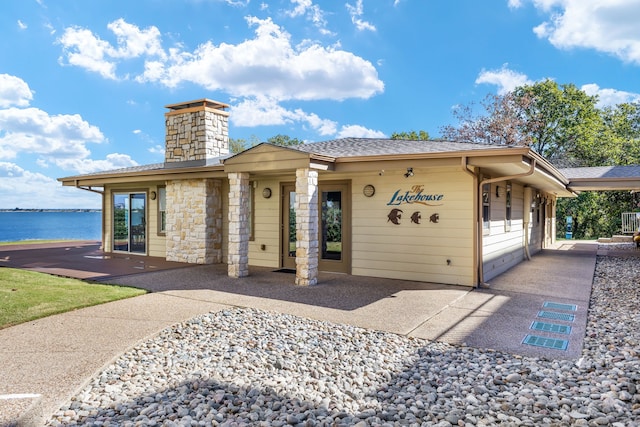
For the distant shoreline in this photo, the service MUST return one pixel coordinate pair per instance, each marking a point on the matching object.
(49, 210)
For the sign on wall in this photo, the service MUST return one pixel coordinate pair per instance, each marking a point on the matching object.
(415, 195)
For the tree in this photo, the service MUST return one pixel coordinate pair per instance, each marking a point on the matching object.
(240, 144)
(502, 123)
(411, 136)
(284, 140)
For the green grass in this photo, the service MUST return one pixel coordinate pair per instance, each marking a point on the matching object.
(28, 295)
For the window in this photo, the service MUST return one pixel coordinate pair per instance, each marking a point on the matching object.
(486, 207)
(162, 210)
(507, 213)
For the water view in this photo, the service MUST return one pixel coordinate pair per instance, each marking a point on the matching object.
(49, 225)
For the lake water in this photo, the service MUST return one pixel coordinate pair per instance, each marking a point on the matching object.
(48, 225)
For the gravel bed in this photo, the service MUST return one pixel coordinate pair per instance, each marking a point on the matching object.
(245, 367)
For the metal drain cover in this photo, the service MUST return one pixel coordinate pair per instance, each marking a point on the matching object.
(545, 342)
(560, 306)
(551, 327)
(556, 316)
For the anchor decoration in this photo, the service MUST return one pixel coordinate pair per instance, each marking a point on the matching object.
(394, 216)
(416, 217)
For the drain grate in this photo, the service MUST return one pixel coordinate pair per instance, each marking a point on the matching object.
(552, 343)
(551, 327)
(560, 306)
(556, 316)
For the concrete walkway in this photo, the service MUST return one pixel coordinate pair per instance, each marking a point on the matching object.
(44, 362)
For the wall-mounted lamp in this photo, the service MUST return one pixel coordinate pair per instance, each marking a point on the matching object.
(409, 173)
(497, 191)
(153, 195)
(266, 192)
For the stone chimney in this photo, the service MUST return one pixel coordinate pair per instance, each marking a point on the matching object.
(196, 131)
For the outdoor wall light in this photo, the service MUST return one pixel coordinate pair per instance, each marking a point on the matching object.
(409, 173)
(266, 193)
(153, 195)
(497, 191)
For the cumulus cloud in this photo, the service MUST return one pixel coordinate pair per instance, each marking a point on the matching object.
(263, 111)
(356, 11)
(85, 165)
(606, 26)
(269, 65)
(43, 191)
(610, 97)
(32, 130)
(14, 92)
(357, 131)
(504, 78)
(82, 48)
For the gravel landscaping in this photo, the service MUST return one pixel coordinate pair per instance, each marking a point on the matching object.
(242, 367)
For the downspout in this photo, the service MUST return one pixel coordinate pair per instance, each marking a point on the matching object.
(478, 214)
(531, 170)
(527, 219)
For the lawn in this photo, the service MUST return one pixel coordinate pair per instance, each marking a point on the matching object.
(28, 295)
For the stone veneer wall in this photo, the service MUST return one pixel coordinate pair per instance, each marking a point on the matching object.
(306, 227)
(196, 135)
(238, 250)
(194, 221)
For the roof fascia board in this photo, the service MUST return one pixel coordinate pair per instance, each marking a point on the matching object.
(145, 176)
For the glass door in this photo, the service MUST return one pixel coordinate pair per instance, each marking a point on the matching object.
(289, 226)
(129, 222)
(333, 228)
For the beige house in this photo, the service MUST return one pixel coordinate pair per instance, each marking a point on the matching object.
(433, 211)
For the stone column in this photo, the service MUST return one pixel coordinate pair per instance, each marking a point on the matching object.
(238, 258)
(194, 221)
(306, 207)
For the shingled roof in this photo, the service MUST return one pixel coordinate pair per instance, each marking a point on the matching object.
(358, 147)
(613, 172)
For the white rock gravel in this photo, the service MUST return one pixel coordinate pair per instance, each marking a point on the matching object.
(243, 367)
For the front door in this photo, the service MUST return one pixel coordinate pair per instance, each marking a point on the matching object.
(334, 229)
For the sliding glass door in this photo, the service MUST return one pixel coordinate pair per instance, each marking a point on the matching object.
(129, 222)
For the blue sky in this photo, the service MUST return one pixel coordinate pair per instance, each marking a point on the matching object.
(83, 84)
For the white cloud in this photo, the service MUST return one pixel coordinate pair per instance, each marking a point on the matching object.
(14, 92)
(266, 112)
(157, 149)
(84, 165)
(357, 131)
(22, 25)
(609, 26)
(610, 97)
(356, 13)
(83, 49)
(43, 191)
(32, 130)
(504, 78)
(304, 72)
(311, 11)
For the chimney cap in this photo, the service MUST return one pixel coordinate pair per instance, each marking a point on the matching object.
(204, 102)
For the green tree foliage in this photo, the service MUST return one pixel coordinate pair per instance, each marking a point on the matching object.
(284, 140)
(564, 125)
(411, 136)
(240, 144)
